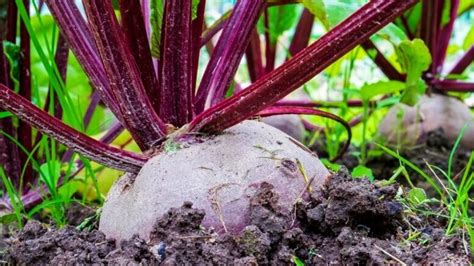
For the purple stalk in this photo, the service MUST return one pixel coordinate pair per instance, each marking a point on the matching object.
(212, 30)
(302, 33)
(133, 27)
(95, 99)
(12, 17)
(253, 55)
(445, 36)
(197, 27)
(138, 114)
(430, 27)
(228, 52)
(270, 48)
(114, 131)
(285, 110)
(146, 17)
(302, 67)
(24, 130)
(79, 39)
(463, 62)
(177, 94)
(385, 66)
(53, 127)
(9, 155)
(306, 103)
(453, 85)
(311, 127)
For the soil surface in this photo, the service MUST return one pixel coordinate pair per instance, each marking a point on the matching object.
(347, 221)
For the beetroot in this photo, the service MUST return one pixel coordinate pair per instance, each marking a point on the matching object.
(406, 126)
(290, 124)
(218, 174)
(150, 85)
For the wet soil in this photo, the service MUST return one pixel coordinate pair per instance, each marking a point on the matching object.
(348, 221)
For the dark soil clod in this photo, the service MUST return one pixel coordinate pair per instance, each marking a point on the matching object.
(349, 221)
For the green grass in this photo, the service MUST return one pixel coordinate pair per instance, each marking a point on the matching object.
(453, 197)
(43, 34)
(15, 201)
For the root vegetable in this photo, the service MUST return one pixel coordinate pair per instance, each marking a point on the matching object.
(218, 174)
(407, 126)
(290, 124)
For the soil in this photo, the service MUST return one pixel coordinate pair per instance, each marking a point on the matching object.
(347, 221)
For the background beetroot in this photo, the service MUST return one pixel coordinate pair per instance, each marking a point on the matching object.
(406, 125)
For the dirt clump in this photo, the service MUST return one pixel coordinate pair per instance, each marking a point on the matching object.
(348, 221)
(38, 245)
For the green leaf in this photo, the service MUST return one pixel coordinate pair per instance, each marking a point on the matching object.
(51, 172)
(414, 16)
(195, 6)
(171, 146)
(230, 90)
(332, 12)
(469, 39)
(67, 190)
(464, 5)
(280, 19)
(14, 197)
(338, 10)
(361, 171)
(12, 52)
(318, 9)
(416, 196)
(156, 18)
(414, 57)
(380, 88)
(333, 166)
(8, 218)
(445, 16)
(413, 93)
(115, 4)
(392, 33)
(297, 261)
(5, 114)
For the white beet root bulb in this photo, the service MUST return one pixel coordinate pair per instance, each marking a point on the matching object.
(406, 126)
(217, 174)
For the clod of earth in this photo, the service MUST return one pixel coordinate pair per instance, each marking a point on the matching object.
(348, 221)
(407, 126)
(218, 174)
(290, 124)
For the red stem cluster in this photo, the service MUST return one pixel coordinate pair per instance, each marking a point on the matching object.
(302, 67)
(144, 97)
(177, 64)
